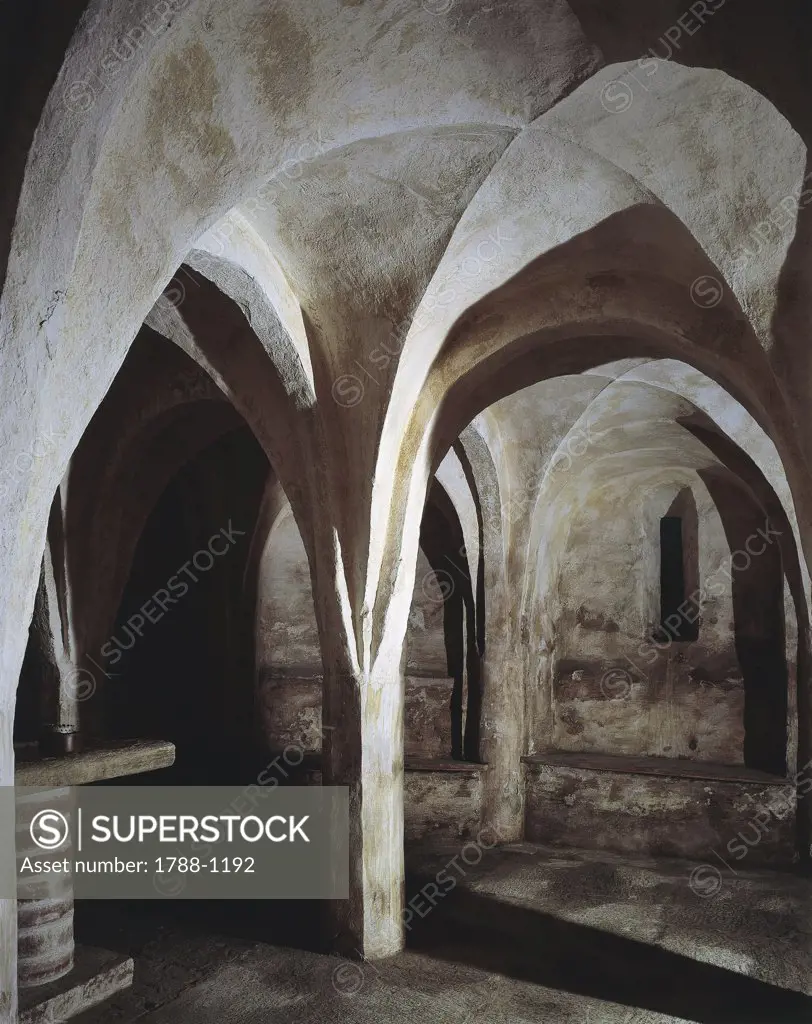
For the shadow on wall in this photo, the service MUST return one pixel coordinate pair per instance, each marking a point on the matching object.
(442, 540)
(679, 566)
(759, 628)
(183, 677)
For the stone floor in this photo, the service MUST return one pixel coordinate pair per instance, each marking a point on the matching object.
(527, 935)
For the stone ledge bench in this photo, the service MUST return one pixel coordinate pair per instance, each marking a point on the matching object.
(442, 797)
(660, 806)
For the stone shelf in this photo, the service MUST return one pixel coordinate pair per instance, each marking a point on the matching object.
(442, 764)
(96, 974)
(111, 761)
(670, 767)
(311, 762)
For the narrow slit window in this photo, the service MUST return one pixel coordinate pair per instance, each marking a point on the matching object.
(673, 594)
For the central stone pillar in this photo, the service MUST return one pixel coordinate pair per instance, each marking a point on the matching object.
(363, 749)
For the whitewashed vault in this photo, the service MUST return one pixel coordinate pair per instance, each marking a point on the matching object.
(390, 221)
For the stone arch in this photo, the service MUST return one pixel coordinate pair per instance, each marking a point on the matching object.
(502, 697)
(747, 461)
(625, 202)
(199, 116)
(183, 62)
(709, 403)
(160, 412)
(125, 459)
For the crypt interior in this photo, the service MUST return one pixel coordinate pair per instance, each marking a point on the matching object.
(415, 396)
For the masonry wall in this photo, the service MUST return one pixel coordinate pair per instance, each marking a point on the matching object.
(618, 685)
(744, 822)
(289, 660)
(660, 745)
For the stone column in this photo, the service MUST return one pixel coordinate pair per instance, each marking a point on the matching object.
(502, 666)
(45, 940)
(503, 742)
(362, 594)
(44, 906)
(363, 749)
(60, 684)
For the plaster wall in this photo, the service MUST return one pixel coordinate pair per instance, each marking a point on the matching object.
(614, 690)
(440, 807)
(289, 666)
(616, 211)
(699, 819)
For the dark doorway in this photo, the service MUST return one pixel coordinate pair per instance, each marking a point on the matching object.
(679, 568)
(178, 674)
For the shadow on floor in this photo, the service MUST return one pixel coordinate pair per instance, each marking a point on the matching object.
(527, 945)
(478, 931)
